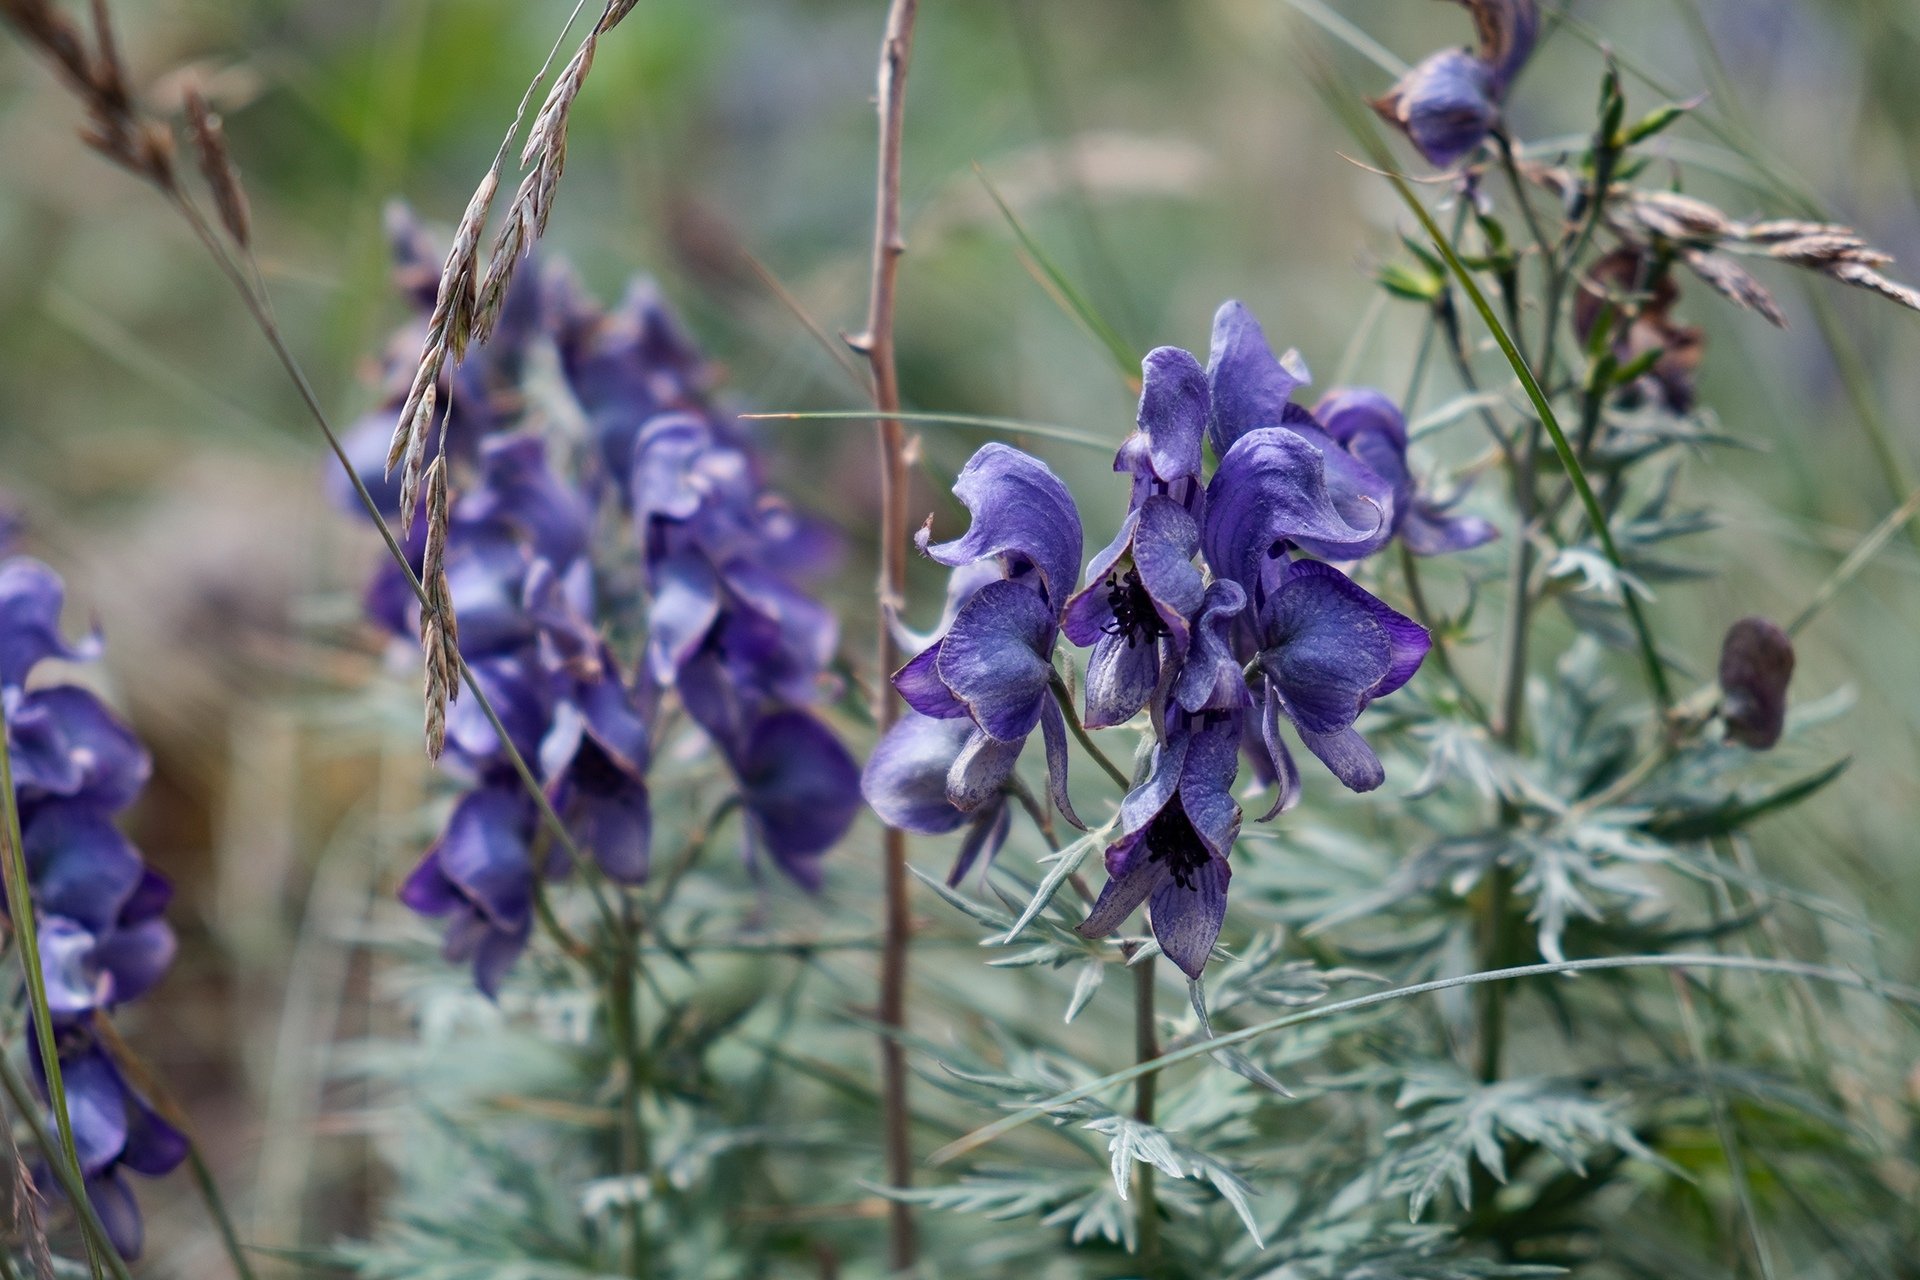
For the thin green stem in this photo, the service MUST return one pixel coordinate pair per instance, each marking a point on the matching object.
(204, 1182)
(1650, 655)
(1442, 653)
(1064, 697)
(1146, 1047)
(20, 898)
(99, 1244)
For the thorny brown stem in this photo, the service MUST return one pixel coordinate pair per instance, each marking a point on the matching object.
(876, 343)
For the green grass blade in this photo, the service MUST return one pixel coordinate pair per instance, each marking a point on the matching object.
(1072, 300)
(1362, 127)
(1018, 426)
(27, 936)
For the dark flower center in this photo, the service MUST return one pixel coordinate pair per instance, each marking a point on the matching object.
(1133, 613)
(1171, 839)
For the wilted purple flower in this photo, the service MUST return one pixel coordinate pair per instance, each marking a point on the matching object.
(1756, 662)
(1327, 649)
(1370, 426)
(115, 1131)
(1176, 830)
(1449, 103)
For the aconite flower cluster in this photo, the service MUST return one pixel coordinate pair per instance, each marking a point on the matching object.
(99, 909)
(1217, 611)
(648, 525)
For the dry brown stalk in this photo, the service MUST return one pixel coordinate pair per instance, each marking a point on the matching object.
(876, 343)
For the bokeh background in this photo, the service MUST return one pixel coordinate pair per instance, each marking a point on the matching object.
(1167, 155)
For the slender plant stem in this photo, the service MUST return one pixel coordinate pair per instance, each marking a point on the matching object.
(1092, 748)
(99, 1244)
(877, 343)
(1146, 1047)
(1442, 653)
(623, 1017)
(26, 931)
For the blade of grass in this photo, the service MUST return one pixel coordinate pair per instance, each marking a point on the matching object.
(27, 934)
(1246, 1035)
(1043, 430)
(71, 1184)
(1076, 304)
(1382, 161)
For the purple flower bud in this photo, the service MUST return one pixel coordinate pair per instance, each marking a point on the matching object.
(1447, 105)
(1176, 830)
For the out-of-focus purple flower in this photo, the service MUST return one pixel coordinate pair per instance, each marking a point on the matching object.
(799, 792)
(1450, 102)
(66, 743)
(479, 875)
(115, 1131)
(1176, 830)
(1327, 649)
(1367, 424)
(103, 937)
(31, 596)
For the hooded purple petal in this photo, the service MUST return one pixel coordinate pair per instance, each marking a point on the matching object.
(1249, 386)
(1163, 453)
(66, 743)
(905, 781)
(1020, 509)
(995, 658)
(1272, 491)
(1187, 914)
(31, 595)
(978, 775)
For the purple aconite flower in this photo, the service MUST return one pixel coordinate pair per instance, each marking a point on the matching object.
(99, 909)
(1449, 103)
(1176, 829)
(994, 664)
(1327, 649)
(1368, 425)
(1140, 593)
(479, 876)
(115, 1131)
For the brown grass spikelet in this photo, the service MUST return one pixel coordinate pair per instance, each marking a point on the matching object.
(439, 628)
(1733, 282)
(217, 167)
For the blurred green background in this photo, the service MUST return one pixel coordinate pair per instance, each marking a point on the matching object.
(1168, 155)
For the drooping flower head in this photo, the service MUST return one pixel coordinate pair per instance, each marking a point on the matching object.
(1370, 426)
(1449, 103)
